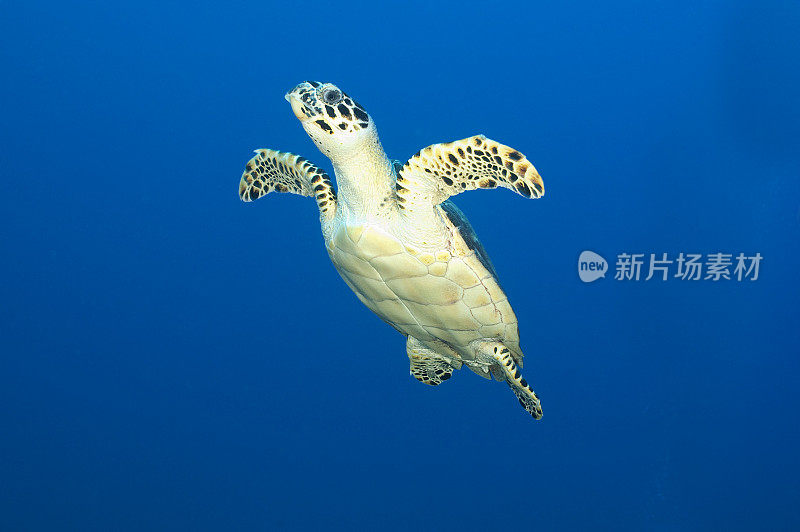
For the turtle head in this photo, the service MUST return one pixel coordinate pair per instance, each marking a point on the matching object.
(335, 122)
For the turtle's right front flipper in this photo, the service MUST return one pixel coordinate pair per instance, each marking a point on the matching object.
(444, 170)
(277, 171)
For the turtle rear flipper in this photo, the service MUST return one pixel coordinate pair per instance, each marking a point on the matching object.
(502, 361)
(427, 366)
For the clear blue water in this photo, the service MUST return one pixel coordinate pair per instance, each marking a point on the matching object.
(171, 358)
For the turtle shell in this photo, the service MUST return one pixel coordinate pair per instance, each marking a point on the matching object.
(446, 299)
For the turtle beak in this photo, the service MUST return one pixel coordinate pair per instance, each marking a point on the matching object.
(297, 105)
(294, 97)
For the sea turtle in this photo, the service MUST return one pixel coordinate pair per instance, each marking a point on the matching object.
(407, 252)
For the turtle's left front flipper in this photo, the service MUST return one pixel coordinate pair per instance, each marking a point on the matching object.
(276, 171)
(443, 170)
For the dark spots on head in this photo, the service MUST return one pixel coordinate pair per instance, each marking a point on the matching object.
(447, 180)
(343, 126)
(452, 158)
(330, 111)
(498, 160)
(524, 382)
(523, 189)
(515, 155)
(477, 141)
(461, 152)
(314, 84)
(538, 187)
(280, 187)
(344, 110)
(494, 150)
(446, 376)
(509, 165)
(360, 114)
(324, 126)
(363, 125)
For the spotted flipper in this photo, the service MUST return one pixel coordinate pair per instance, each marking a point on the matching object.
(427, 366)
(502, 361)
(443, 170)
(277, 171)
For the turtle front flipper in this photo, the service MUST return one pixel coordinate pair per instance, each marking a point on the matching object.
(427, 366)
(277, 171)
(500, 359)
(443, 170)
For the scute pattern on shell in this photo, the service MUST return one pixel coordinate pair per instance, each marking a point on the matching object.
(276, 171)
(424, 299)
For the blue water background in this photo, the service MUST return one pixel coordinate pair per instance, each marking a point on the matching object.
(174, 359)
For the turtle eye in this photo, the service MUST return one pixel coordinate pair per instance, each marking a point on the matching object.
(331, 96)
